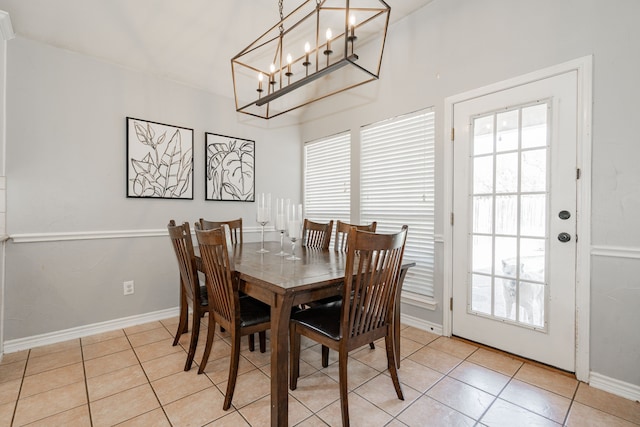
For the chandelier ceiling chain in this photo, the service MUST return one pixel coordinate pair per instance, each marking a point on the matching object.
(280, 6)
(321, 48)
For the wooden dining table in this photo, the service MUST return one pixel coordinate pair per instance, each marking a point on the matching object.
(283, 284)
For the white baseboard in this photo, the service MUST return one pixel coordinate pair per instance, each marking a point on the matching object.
(617, 387)
(20, 344)
(420, 324)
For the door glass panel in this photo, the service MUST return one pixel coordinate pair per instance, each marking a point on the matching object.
(483, 136)
(483, 175)
(507, 173)
(533, 215)
(534, 126)
(531, 301)
(482, 254)
(507, 215)
(534, 170)
(482, 214)
(510, 201)
(532, 259)
(505, 298)
(506, 256)
(507, 135)
(481, 294)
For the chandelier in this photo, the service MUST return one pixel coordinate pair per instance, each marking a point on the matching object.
(321, 48)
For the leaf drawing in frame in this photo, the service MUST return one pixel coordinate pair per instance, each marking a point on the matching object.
(229, 168)
(160, 160)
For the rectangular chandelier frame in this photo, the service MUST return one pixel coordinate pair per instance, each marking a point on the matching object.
(300, 60)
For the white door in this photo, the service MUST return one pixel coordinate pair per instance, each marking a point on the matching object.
(514, 201)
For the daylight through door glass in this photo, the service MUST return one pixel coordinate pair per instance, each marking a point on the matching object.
(509, 163)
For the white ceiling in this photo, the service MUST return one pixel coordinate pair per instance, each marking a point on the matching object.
(190, 41)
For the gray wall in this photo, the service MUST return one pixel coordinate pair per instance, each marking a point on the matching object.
(66, 174)
(452, 46)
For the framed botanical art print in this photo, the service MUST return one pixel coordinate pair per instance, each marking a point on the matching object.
(159, 160)
(229, 167)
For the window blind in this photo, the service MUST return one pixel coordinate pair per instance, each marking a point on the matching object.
(327, 178)
(397, 187)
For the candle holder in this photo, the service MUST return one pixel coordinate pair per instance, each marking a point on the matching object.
(294, 228)
(282, 206)
(263, 215)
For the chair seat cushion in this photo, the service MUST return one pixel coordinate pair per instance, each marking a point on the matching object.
(253, 312)
(324, 319)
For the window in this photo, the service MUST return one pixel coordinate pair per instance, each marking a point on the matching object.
(327, 178)
(397, 187)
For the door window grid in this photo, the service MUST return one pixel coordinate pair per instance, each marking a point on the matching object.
(509, 199)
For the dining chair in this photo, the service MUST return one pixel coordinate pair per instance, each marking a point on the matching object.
(191, 291)
(316, 235)
(366, 312)
(235, 228)
(235, 235)
(240, 316)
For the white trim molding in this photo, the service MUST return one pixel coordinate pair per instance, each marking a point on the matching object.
(615, 251)
(417, 300)
(85, 235)
(617, 387)
(20, 344)
(421, 324)
(99, 235)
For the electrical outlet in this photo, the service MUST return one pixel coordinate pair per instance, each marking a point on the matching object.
(128, 287)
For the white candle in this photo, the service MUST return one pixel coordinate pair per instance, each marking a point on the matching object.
(295, 229)
(262, 215)
(281, 222)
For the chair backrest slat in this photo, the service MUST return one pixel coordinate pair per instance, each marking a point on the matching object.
(316, 235)
(183, 246)
(219, 272)
(340, 243)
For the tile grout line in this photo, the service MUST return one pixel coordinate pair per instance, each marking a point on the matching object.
(24, 372)
(86, 383)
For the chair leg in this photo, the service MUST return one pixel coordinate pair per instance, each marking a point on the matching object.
(207, 348)
(372, 346)
(325, 356)
(391, 362)
(262, 337)
(344, 402)
(252, 343)
(183, 324)
(294, 357)
(233, 369)
(195, 331)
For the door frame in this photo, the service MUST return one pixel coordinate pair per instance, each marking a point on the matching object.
(584, 68)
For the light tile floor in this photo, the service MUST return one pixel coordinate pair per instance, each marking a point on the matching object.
(134, 377)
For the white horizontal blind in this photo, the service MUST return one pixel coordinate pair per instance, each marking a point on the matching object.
(327, 178)
(397, 188)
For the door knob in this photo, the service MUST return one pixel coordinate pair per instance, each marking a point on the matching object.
(564, 214)
(564, 237)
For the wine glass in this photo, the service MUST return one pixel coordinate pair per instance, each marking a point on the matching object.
(263, 215)
(281, 221)
(294, 227)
